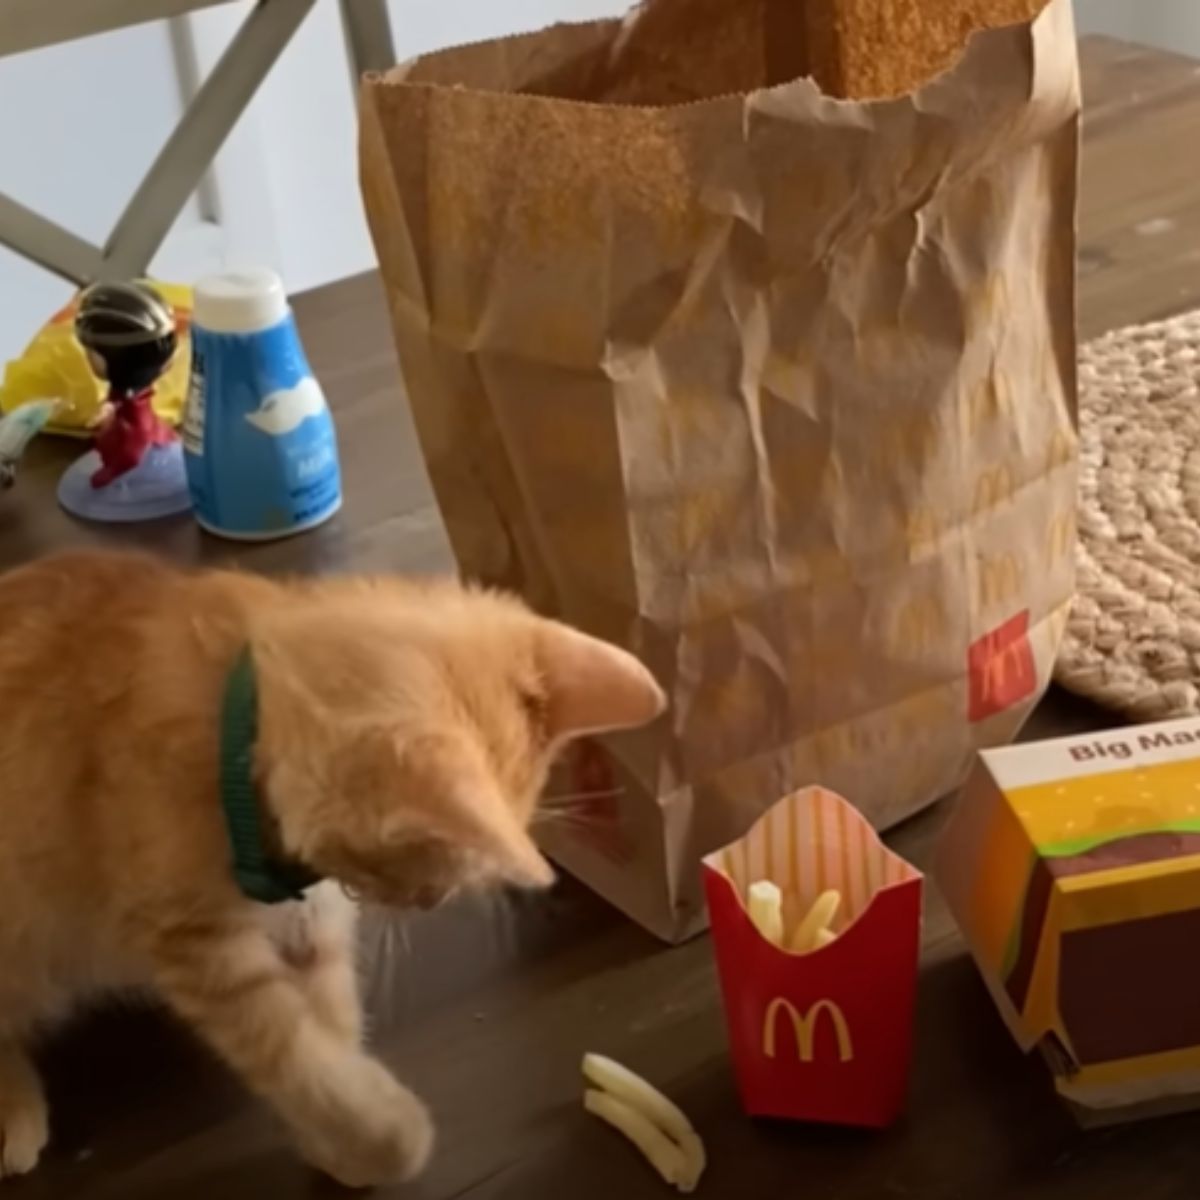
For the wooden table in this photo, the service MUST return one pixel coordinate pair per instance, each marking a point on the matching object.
(487, 1010)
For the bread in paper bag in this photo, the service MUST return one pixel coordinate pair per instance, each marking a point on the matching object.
(866, 49)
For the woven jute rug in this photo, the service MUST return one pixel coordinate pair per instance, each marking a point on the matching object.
(1133, 639)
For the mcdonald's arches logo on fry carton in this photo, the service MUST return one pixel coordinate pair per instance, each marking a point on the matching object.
(824, 1036)
(804, 1028)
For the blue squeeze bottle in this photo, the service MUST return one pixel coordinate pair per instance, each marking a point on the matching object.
(258, 438)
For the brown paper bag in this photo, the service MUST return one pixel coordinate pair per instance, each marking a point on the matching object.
(773, 389)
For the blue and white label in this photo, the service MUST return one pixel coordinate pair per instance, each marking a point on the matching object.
(259, 439)
(287, 409)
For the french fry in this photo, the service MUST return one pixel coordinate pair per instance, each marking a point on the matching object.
(819, 917)
(663, 1154)
(634, 1092)
(764, 903)
(610, 1076)
(695, 1160)
(824, 937)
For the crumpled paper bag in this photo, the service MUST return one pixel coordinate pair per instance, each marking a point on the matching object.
(775, 390)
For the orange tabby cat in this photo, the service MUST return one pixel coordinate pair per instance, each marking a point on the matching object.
(404, 734)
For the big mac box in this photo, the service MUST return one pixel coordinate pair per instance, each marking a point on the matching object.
(1073, 870)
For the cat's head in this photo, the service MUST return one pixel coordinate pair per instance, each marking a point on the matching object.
(406, 733)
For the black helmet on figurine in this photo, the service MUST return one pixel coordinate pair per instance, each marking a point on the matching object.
(122, 314)
(128, 331)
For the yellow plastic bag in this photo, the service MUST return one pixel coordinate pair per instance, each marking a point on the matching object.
(54, 367)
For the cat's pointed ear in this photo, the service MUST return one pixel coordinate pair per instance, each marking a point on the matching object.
(592, 686)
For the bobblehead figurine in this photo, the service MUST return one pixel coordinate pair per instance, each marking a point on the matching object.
(135, 471)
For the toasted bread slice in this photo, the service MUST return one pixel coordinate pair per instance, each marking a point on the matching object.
(870, 49)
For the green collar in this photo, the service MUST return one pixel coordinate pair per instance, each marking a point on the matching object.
(260, 878)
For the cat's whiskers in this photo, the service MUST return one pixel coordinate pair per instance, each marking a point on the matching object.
(571, 801)
(573, 810)
(595, 794)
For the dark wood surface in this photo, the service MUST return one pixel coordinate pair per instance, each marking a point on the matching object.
(486, 1008)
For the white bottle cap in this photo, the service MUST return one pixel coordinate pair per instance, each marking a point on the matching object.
(240, 301)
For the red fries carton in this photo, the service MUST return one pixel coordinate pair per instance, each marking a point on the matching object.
(824, 1035)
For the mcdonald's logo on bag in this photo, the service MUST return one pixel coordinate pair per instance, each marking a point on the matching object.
(921, 529)
(788, 376)
(1001, 669)
(1000, 581)
(804, 1028)
(918, 626)
(1060, 538)
(1061, 449)
(988, 304)
(992, 400)
(992, 488)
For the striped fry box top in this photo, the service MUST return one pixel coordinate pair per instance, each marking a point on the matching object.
(825, 1034)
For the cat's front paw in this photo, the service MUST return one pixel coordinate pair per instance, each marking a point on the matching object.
(384, 1136)
(24, 1130)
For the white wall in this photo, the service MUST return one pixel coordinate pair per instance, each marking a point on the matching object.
(1170, 24)
(79, 125)
(306, 118)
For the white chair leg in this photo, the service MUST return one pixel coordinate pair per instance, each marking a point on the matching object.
(46, 243)
(190, 149)
(369, 39)
(181, 163)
